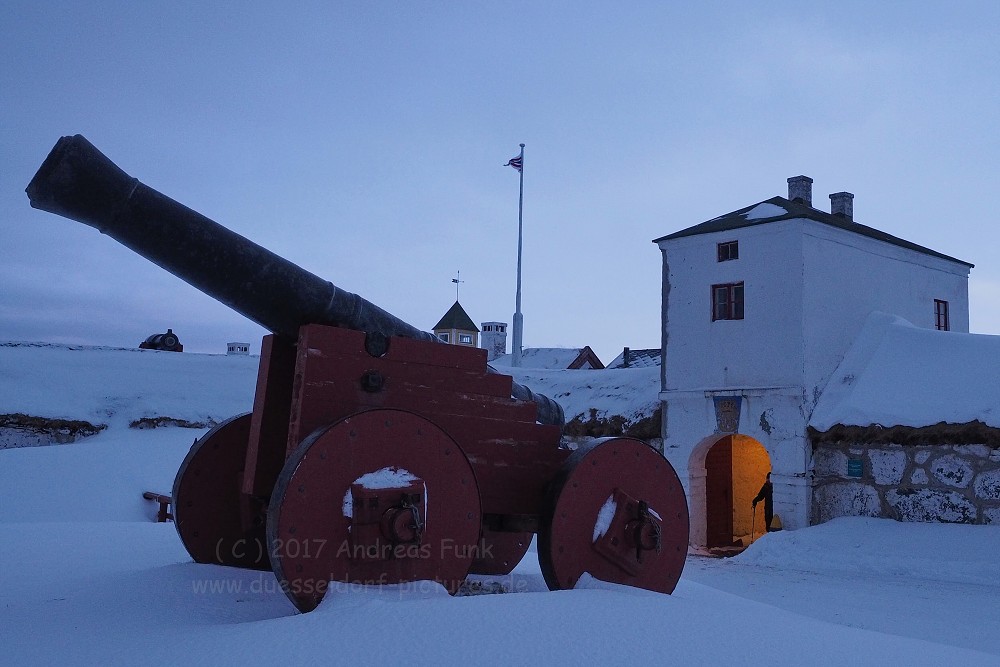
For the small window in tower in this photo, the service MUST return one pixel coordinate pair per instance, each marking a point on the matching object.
(443, 336)
(729, 250)
(465, 339)
(941, 321)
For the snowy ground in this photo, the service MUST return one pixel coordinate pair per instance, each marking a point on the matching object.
(89, 579)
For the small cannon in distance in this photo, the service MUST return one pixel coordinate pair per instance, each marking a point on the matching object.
(165, 342)
(374, 453)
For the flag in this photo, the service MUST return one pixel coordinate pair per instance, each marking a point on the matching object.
(517, 162)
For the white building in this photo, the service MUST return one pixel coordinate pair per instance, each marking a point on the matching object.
(759, 307)
(494, 339)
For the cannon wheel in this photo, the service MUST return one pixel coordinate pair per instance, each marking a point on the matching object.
(207, 497)
(592, 521)
(308, 528)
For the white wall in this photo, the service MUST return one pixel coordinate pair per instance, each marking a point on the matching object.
(848, 276)
(763, 349)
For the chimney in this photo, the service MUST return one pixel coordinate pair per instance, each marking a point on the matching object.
(625, 357)
(800, 188)
(842, 204)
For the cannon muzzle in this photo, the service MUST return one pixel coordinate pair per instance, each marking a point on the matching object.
(79, 182)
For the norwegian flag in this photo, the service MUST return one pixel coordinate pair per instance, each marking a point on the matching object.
(516, 162)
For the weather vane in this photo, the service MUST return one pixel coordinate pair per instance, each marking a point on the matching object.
(458, 281)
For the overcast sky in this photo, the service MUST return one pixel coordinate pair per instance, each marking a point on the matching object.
(366, 143)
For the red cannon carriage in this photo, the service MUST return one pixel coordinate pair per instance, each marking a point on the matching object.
(375, 454)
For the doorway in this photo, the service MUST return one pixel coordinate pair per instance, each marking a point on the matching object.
(735, 468)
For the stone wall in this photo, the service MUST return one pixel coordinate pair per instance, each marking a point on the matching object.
(948, 483)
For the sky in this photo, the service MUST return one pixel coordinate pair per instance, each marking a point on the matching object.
(366, 142)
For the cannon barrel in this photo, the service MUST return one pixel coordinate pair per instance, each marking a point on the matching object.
(79, 182)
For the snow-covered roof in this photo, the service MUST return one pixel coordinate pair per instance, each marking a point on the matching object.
(542, 357)
(896, 374)
(637, 359)
(777, 209)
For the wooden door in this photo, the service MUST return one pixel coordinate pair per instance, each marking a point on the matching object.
(719, 493)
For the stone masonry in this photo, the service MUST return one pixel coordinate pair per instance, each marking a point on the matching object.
(947, 483)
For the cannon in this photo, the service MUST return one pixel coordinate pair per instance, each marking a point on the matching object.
(375, 453)
(165, 342)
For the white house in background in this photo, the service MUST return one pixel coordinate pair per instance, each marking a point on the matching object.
(759, 307)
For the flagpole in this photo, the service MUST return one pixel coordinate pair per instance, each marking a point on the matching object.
(518, 318)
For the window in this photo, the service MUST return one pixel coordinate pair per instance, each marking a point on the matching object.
(727, 302)
(443, 336)
(941, 322)
(465, 339)
(729, 250)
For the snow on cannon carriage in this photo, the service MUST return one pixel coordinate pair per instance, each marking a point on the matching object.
(375, 453)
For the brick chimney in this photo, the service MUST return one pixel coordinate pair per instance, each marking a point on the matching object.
(842, 204)
(800, 188)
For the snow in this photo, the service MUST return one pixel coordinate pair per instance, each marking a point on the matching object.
(384, 478)
(89, 579)
(630, 392)
(114, 385)
(896, 374)
(552, 358)
(604, 517)
(764, 210)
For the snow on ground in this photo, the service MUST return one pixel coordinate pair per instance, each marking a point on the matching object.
(89, 579)
(878, 381)
(114, 385)
(630, 392)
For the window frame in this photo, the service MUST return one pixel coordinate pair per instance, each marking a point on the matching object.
(942, 316)
(732, 251)
(464, 339)
(735, 307)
